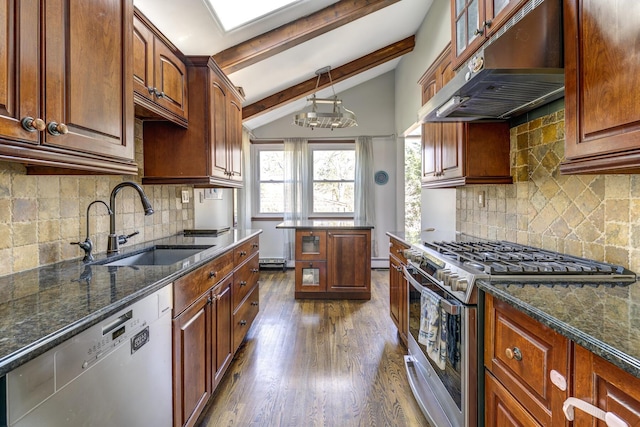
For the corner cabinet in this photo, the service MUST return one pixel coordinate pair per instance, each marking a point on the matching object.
(455, 154)
(398, 288)
(159, 75)
(66, 97)
(209, 151)
(602, 74)
(474, 21)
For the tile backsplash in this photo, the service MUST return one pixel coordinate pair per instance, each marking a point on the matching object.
(594, 216)
(41, 215)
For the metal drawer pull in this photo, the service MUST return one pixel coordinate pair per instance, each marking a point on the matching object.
(212, 274)
(242, 253)
(243, 283)
(254, 303)
(243, 322)
(514, 353)
(32, 125)
(611, 419)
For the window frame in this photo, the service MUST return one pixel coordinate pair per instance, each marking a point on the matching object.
(256, 149)
(328, 146)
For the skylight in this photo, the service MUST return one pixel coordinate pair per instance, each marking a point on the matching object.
(235, 13)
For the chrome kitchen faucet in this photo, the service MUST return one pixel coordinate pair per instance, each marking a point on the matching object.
(114, 240)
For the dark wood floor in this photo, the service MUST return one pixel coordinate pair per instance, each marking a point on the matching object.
(317, 363)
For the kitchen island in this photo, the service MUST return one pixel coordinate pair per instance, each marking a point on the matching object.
(332, 258)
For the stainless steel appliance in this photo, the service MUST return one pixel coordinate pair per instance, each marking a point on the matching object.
(116, 373)
(521, 67)
(444, 354)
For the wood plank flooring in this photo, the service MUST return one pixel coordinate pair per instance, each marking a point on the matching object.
(317, 363)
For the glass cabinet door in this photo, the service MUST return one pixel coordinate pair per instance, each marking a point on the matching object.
(311, 245)
(311, 276)
(467, 23)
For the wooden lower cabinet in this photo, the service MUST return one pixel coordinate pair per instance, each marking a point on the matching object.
(606, 386)
(191, 361)
(398, 289)
(211, 316)
(520, 354)
(502, 409)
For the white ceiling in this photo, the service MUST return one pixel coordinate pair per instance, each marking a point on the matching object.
(192, 28)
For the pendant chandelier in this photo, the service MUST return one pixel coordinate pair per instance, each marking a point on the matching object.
(333, 117)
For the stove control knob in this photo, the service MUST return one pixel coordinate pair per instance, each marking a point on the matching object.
(442, 275)
(450, 280)
(460, 285)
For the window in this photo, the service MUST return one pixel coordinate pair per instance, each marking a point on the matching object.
(333, 177)
(329, 192)
(270, 179)
(236, 13)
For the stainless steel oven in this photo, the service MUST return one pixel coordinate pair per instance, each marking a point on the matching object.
(442, 373)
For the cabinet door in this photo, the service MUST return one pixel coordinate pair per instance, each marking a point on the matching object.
(222, 340)
(19, 72)
(192, 361)
(467, 30)
(170, 80)
(87, 71)
(395, 283)
(311, 245)
(234, 138)
(451, 138)
(311, 276)
(605, 386)
(430, 133)
(602, 63)
(349, 260)
(497, 12)
(142, 59)
(502, 409)
(218, 105)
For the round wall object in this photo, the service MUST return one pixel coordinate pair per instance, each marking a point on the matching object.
(381, 177)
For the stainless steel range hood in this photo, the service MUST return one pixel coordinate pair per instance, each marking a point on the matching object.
(520, 68)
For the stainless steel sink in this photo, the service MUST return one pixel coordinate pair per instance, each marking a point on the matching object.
(156, 256)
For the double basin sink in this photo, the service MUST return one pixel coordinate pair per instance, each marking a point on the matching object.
(156, 255)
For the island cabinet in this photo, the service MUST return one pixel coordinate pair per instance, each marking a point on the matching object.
(211, 316)
(209, 151)
(474, 21)
(398, 288)
(455, 154)
(66, 96)
(159, 75)
(602, 118)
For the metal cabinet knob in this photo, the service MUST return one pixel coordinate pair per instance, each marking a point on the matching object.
(513, 354)
(32, 125)
(55, 128)
(159, 94)
(254, 270)
(243, 322)
(212, 274)
(243, 283)
(151, 90)
(254, 303)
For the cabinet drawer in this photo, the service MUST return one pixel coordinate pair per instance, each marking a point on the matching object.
(191, 286)
(521, 352)
(311, 245)
(243, 317)
(244, 278)
(244, 251)
(396, 248)
(311, 276)
(502, 409)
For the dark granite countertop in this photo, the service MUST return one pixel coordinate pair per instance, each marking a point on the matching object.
(602, 319)
(43, 307)
(326, 224)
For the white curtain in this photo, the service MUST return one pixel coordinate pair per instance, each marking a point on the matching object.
(296, 182)
(244, 193)
(364, 209)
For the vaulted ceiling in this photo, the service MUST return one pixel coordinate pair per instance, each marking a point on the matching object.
(274, 59)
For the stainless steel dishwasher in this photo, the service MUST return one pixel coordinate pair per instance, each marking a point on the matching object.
(116, 373)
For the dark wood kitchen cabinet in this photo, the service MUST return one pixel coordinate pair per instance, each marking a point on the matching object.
(159, 75)
(474, 21)
(455, 154)
(602, 74)
(520, 356)
(398, 288)
(209, 152)
(212, 314)
(66, 97)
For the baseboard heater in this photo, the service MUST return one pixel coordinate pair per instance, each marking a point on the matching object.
(273, 263)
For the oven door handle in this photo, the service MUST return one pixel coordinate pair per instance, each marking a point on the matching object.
(449, 307)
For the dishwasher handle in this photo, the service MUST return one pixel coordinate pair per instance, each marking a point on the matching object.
(117, 322)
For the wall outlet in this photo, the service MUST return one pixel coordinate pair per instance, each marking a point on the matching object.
(481, 199)
(185, 196)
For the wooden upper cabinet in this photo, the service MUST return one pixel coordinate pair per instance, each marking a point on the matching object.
(68, 102)
(456, 154)
(159, 75)
(206, 147)
(473, 21)
(602, 74)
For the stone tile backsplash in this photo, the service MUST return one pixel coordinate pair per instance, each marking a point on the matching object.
(41, 215)
(594, 216)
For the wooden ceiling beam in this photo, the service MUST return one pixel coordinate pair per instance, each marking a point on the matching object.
(296, 32)
(343, 72)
